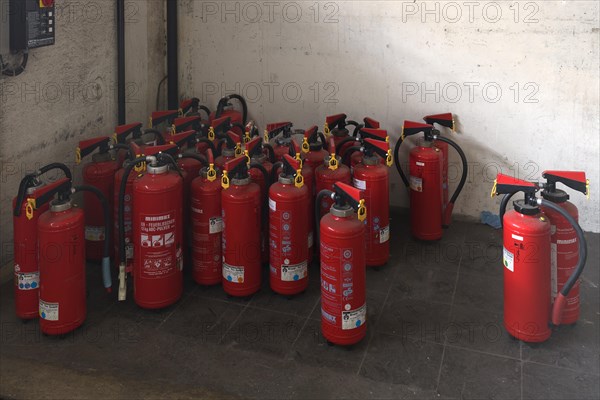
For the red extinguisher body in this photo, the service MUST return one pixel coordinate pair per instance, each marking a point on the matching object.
(128, 204)
(526, 263)
(288, 232)
(564, 258)
(257, 177)
(280, 149)
(326, 177)
(314, 158)
(157, 238)
(426, 192)
(207, 225)
(343, 278)
(27, 273)
(309, 181)
(372, 178)
(62, 302)
(100, 173)
(241, 207)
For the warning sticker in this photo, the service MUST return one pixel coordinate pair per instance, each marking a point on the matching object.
(272, 205)
(416, 184)
(215, 225)
(29, 281)
(384, 234)
(233, 274)
(509, 260)
(553, 269)
(296, 272)
(48, 311)
(362, 185)
(94, 233)
(354, 318)
(157, 239)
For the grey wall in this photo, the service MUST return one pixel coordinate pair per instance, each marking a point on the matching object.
(521, 77)
(68, 92)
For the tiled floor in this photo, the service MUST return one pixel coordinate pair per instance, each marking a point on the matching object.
(434, 331)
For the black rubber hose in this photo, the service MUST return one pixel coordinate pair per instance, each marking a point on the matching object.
(323, 140)
(197, 157)
(503, 205)
(160, 140)
(348, 153)
(271, 151)
(210, 144)
(27, 181)
(276, 166)
(465, 172)
(123, 146)
(171, 160)
(225, 100)
(121, 213)
(206, 110)
(52, 166)
(356, 126)
(106, 278)
(397, 161)
(320, 196)
(341, 144)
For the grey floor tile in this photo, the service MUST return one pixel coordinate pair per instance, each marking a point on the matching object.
(546, 382)
(479, 291)
(420, 282)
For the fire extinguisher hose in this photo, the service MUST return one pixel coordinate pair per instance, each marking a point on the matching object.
(205, 109)
(106, 277)
(503, 205)
(198, 157)
(561, 300)
(122, 146)
(397, 161)
(323, 140)
(224, 102)
(348, 153)
(275, 171)
(461, 184)
(271, 151)
(210, 144)
(28, 180)
(157, 135)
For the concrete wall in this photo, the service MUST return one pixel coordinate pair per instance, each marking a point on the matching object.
(68, 92)
(522, 79)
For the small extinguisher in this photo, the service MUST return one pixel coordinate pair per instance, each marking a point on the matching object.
(526, 260)
(328, 173)
(25, 218)
(207, 225)
(428, 215)
(337, 127)
(61, 247)
(351, 156)
(313, 147)
(281, 134)
(100, 173)
(444, 120)
(225, 109)
(373, 178)
(229, 147)
(343, 270)
(243, 215)
(289, 201)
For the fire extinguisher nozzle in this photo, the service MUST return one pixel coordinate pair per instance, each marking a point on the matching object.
(558, 308)
(106, 277)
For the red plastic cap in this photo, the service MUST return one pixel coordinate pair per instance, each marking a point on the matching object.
(371, 123)
(291, 161)
(221, 122)
(296, 147)
(182, 138)
(502, 179)
(576, 176)
(161, 116)
(446, 119)
(335, 119)
(377, 133)
(383, 145)
(234, 136)
(251, 145)
(331, 145)
(351, 191)
(186, 121)
(123, 131)
(233, 164)
(311, 131)
(48, 188)
(84, 145)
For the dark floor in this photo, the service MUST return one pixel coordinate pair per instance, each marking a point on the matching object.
(434, 331)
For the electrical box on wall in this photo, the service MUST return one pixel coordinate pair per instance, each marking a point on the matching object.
(32, 24)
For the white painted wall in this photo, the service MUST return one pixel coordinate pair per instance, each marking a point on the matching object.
(397, 60)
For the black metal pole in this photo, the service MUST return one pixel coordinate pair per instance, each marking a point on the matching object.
(121, 61)
(172, 61)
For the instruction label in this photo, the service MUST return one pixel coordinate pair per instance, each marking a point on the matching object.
(354, 318)
(157, 240)
(48, 311)
(384, 234)
(272, 205)
(94, 233)
(215, 225)
(233, 274)
(416, 183)
(508, 259)
(27, 281)
(362, 185)
(296, 272)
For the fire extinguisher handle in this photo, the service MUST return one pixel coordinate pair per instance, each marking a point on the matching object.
(463, 178)
(348, 153)
(560, 302)
(225, 100)
(503, 205)
(106, 276)
(28, 180)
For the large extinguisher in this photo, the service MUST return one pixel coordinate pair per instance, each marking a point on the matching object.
(100, 173)
(351, 156)
(61, 252)
(343, 271)
(373, 178)
(427, 212)
(230, 147)
(157, 232)
(313, 147)
(328, 173)
(225, 109)
(445, 120)
(243, 215)
(289, 201)
(527, 262)
(336, 126)
(281, 134)
(25, 218)
(207, 225)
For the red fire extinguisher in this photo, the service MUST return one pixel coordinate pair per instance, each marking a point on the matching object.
(207, 225)
(224, 109)
(328, 173)
(27, 275)
(427, 212)
(61, 254)
(445, 120)
(289, 201)
(100, 173)
(243, 215)
(371, 123)
(372, 177)
(229, 147)
(157, 233)
(281, 134)
(351, 156)
(527, 262)
(313, 143)
(343, 271)
(336, 125)
(183, 124)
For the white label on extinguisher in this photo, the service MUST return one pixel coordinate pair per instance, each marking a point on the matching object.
(27, 281)
(272, 205)
(354, 318)
(517, 237)
(233, 274)
(48, 311)
(384, 234)
(416, 184)
(420, 164)
(94, 233)
(215, 225)
(362, 185)
(508, 260)
(291, 273)
(553, 270)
